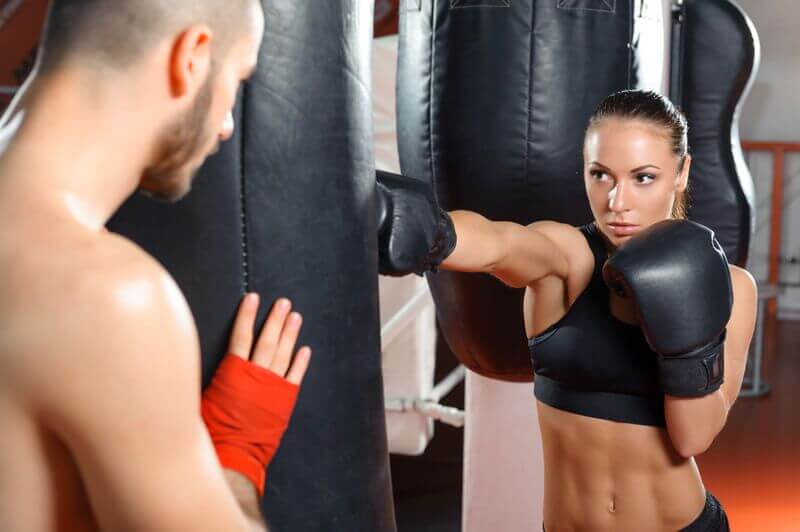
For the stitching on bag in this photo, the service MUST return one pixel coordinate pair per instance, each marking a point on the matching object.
(466, 4)
(601, 6)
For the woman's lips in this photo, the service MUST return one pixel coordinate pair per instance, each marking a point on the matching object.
(623, 229)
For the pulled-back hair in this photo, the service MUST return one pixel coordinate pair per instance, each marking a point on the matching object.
(654, 109)
(115, 33)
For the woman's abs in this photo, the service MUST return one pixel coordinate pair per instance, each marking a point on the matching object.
(603, 475)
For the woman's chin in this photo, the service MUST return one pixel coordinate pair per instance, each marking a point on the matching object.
(616, 238)
(619, 241)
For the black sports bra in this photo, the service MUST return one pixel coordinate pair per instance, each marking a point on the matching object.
(591, 363)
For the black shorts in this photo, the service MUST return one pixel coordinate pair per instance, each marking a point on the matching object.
(711, 519)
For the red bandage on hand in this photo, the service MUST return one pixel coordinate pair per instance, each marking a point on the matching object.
(246, 409)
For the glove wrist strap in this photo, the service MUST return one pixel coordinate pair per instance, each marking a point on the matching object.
(694, 374)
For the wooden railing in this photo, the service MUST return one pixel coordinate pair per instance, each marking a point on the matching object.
(778, 151)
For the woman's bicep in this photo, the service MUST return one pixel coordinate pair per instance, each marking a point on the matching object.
(540, 250)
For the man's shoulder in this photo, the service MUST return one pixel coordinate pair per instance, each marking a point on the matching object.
(101, 279)
(104, 308)
(119, 272)
(119, 287)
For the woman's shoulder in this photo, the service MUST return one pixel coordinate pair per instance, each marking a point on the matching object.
(573, 244)
(568, 238)
(559, 233)
(744, 285)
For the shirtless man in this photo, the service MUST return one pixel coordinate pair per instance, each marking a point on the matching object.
(99, 356)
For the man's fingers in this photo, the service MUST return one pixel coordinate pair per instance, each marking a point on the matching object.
(283, 354)
(300, 365)
(242, 335)
(267, 342)
(276, 342)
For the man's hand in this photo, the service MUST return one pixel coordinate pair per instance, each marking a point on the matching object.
(249, 402)
(275, 345)
(273, 351)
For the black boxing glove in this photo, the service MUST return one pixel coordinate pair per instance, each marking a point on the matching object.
(677, 274)
(414, 234)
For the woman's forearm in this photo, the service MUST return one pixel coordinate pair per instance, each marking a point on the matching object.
(693, 423)
(478, 244)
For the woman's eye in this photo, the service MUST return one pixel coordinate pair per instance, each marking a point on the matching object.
(598, 174)
(645, 178)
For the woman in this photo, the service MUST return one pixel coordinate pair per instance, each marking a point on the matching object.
(618, 431)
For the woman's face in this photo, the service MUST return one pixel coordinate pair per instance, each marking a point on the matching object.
(631, 175)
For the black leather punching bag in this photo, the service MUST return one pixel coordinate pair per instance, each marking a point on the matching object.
(493, 100)
(715, 61)
(286, 209)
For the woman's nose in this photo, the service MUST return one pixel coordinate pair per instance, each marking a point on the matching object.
(618, 197)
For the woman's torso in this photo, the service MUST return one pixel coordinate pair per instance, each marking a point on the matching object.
(602, 474)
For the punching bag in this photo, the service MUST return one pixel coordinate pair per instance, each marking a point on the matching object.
(493, 99)
(716, 56)
(286, 209)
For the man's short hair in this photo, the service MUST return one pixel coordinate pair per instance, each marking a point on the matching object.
(115, 33)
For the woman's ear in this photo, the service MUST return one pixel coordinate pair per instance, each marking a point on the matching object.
(683, 176)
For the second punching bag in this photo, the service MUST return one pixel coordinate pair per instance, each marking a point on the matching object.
(493, 100)
(716, 59)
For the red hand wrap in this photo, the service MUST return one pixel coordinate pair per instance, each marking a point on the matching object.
(246, 409)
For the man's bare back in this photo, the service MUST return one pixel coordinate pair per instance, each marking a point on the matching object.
(75, 308)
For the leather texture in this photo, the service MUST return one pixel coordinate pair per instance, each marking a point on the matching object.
(678, 277)
(674, 264)
(414, 234)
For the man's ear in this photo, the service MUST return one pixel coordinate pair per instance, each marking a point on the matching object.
(190, 61)
(683, 178)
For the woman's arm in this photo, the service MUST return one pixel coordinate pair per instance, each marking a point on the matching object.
(694, 423)
(415, 235)
(516, 254)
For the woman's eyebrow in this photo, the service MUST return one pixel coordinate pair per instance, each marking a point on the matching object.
(640, 168)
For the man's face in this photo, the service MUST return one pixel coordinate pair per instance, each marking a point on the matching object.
(185, 144)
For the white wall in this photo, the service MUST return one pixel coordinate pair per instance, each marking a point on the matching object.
(772, 112)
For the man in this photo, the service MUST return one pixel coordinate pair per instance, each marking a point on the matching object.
(99, 356)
